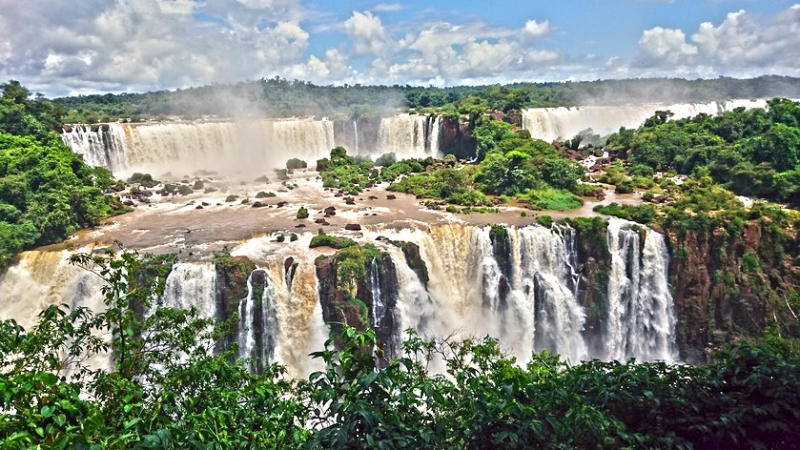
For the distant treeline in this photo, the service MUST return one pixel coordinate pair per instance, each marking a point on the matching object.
(279, 97)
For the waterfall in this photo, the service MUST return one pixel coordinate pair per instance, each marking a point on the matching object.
(355, 136)
(258, 323)
(641, 316)
(192, 285)
(294, 312)
(44, 278)
(250, 147)
(378, 304)
(551, 124)
(409, 136)
(464, 298)
(526, 295)
(544, 262)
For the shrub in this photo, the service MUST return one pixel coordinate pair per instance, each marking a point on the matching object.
(553, 199)
(263, 194)
(302, 213)
(326, 240)
(385, 160)
(145, 179)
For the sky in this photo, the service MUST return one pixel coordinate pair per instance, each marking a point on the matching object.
(97, 46)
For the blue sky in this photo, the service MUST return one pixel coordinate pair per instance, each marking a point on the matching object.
(97, 46)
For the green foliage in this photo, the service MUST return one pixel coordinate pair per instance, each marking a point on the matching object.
(327, 240)
(302, 213)
(751, 152)
(167, 388)
(46, 193)
(643, 213)
(262, 194)
(545, 221)
(386, 160)
(145, 179)
(553, 199)
(751, 262)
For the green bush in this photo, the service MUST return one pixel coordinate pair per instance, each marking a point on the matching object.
(144, 179)
(553, 199)
(326, 240)
(302, 213)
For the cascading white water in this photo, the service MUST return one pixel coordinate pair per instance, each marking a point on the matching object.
(355, 135)
(551, 124)
(250, 147)
(536, 308)
(464, 298)
(409, 136)
(259, 340)
(544, 275)
(192, 285)
(378, 303)
(293, 301)
(641, 316)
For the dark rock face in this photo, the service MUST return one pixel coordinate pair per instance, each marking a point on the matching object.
(728, 286)
(456, 138)
(290, 268)
(231, 288)
(415, 261)
(352, 227)
(356, 302)
(501, 250)
(594, 268)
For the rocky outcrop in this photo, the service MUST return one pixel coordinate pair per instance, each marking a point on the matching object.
(594, 267)
(358, 287)
(501, 249)
(732, 283)
(231, 288)
(456, 138)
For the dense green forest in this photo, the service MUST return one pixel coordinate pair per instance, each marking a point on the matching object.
(284, 98)
(46, 191)
(169, 391)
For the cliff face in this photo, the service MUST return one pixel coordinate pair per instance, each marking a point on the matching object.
(231, 288)
(456, 138)
(358, 287)
(729, 285)
(594, 262)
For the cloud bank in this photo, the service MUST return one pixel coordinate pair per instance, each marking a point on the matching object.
(62, 48)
